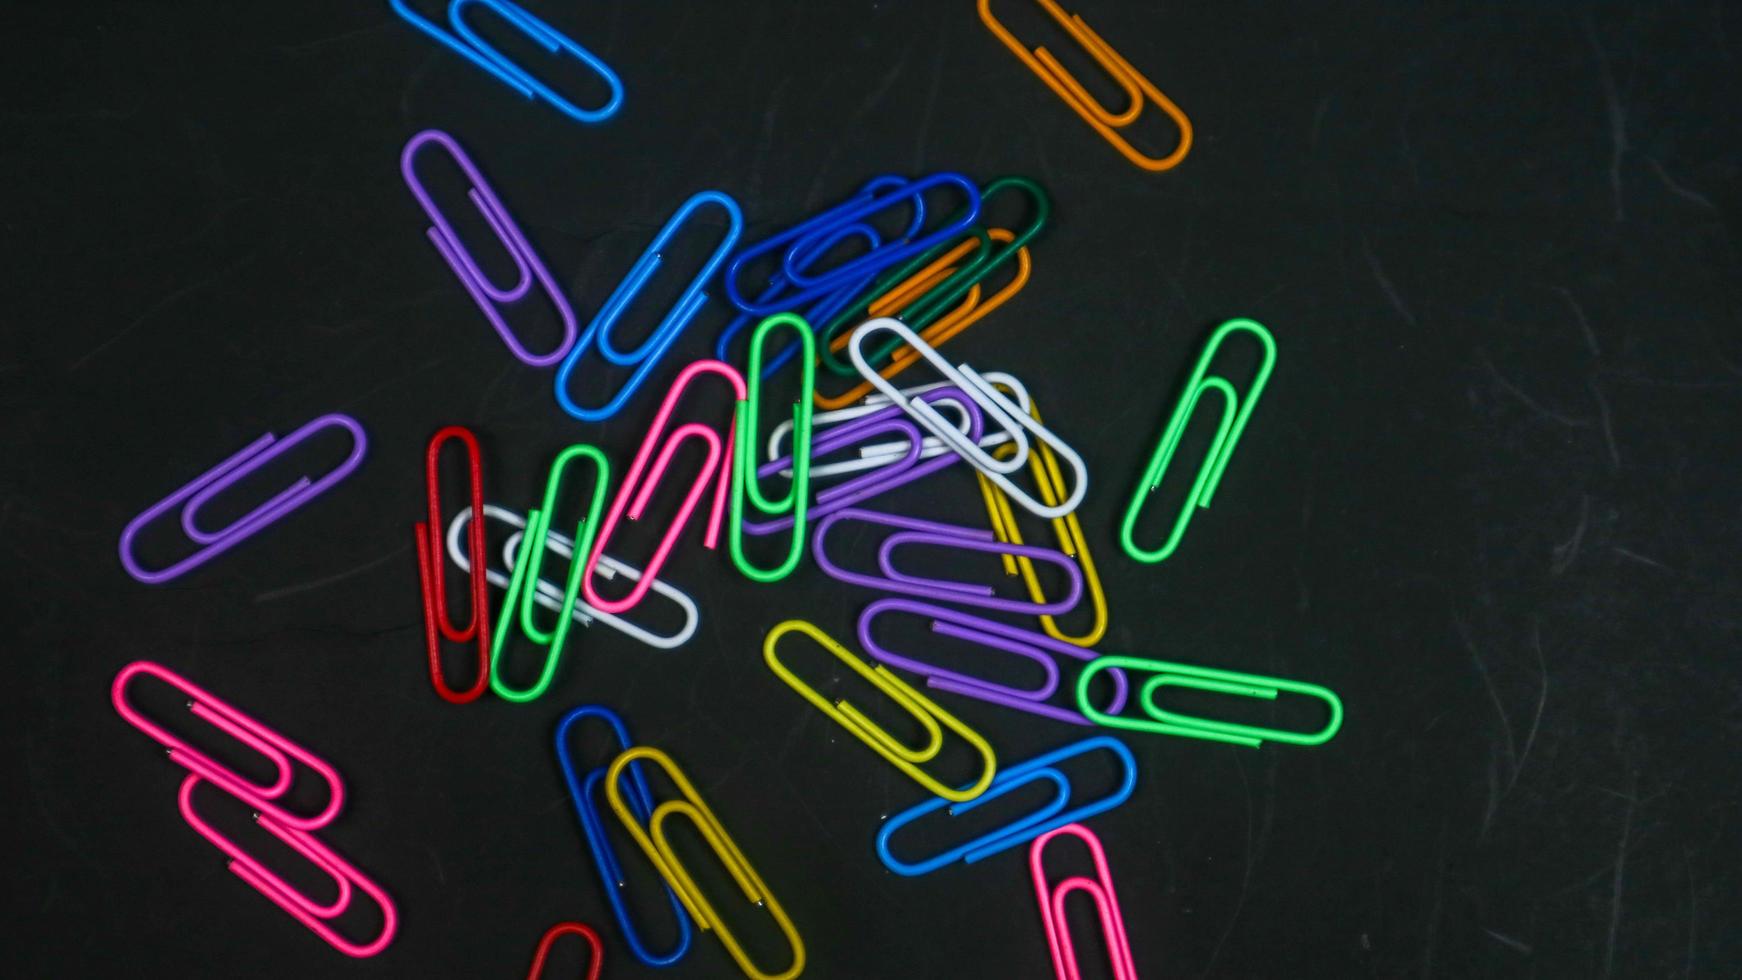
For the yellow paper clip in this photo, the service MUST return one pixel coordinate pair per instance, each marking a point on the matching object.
(923, 709)
(654, 842)
(1136, 86)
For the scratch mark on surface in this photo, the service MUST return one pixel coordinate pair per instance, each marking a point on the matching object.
(1324, 106)
(1693, 915)
(1385, 284)
(1617, 118)
(1487, 682)
(1619, 878)
(1530, 402)
(1541, 702)
(1567, 551)
(1430, 947)
(159, 307)
(922, 133)
(1509, 941)
(1680, 190)
(1584, 324)
(1643, 560)
(302, 587)
(1608, 429)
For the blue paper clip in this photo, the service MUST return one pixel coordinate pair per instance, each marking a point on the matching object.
(800, 253)
(583, 790)
(1024, 829)
(821, 232)
(823, 309)
(647, 356)
(479, 52)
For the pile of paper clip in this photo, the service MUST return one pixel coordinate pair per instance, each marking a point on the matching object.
(776, 488)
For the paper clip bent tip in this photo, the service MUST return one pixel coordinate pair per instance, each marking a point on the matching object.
(438, 623)
(222, 476)
(932, 718)
(1099, 889)
(523, 584)
(1133, 83)
(647, 356)
(488, 296)
(1236, 410)
(596, 961)
(654, 842)
(1208, 679)
(745, 479)
(583, 791)
(467, 43)
(313, 915)
(1024, 829)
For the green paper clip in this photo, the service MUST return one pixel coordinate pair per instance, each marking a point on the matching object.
(523, 585)
(1205, 679)
(1235, 411)
(744, 480)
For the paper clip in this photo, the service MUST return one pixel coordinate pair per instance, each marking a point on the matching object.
(529, 267)
(640, 482)
(882, 454)
(1107, 123)
(1099, 889)
(345, 877)
(437, 622)
(523, 584)
(1235, 412)
(646, 357)
(923, 709)
(1071, 540)
(745, 481)
(1024, 829)
(1000, 412)
(796, 266)
(551, 935)
(466, 42)
(1209, 679)
(811, 239)
(222, 476)
(583, 792)
(275, 748)
(1042, 650)
(654, 843)
(550, 596)
(914, 531)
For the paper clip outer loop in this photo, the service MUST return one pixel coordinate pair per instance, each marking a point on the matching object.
(484, 293)
(1217, 682)
(1042, 650)
(1024, 829)
(1232, 423)
(250, 458)
(595, 963)
(275, 747)
(297, 904)
(917, 531)
(437, 622)
(583, 791)
(745, 480)
(653, 842)
(810, 239)
(1136, 86)
(925, 711)
(1069, 531)
(1099, 889)
(523, 583)
(641, 480)
(890, 253)
(682, 313)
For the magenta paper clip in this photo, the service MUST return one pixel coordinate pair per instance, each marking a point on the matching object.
(915, 531)
(1100, 891)
(277, 749)
(1043, 650)
(528, 266)
(219, 478)
(899, 471)
(640, 482)
(304, 909)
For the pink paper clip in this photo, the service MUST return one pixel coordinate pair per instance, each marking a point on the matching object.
(1052, 906)
(640, 482)
(306, 910)
(275, 747)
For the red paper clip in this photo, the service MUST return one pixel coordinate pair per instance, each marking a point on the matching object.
(557, 931)
(437, 624)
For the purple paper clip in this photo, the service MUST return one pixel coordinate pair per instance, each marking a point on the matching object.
(1038, 647)
(915, 531)
(905, 469)
(485, 293)
(220, 478)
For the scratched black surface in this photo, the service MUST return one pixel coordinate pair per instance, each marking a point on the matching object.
(1490, 497)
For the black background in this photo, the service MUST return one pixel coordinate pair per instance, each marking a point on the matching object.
(1490, 496)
